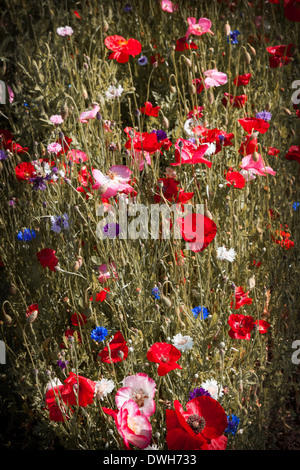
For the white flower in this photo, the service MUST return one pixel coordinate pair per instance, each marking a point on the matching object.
(190, 124)
(182, 342)
(248, 175)
(65, 31)
(211, 148)
(55, 382)
(223, 253)
(103, 388)
(213, 388)
(153, 447)
(114, 92)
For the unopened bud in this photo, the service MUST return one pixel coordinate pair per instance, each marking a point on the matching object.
(227, 28)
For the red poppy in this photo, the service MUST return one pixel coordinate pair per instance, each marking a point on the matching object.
(198, 82)
(292, 9)
(24, 171)
(250, 124)
(77, 14)
(262, 325)
(77, 156)
(5, 136)
(69, 333)
(47, 258)
(32, 308)
(142, 142)
(235, 178)
(198, 230)
(57, 399)
(249, 144)
(241, 298)
(198, 428)
(196, 112)
(65, 143)
(293, 153)
(241, 326)
(84, 390)
(273, 151)
(283, 239)
(100, 296)
(188, 153)
(172, 192)
(217, 136)
(150, 110)
(122, 48)
(183, 45)
(235, 101)
(166, 355)
(15, 147)
(116, 351)
(280, 55)
(78, 319)
(242, 79)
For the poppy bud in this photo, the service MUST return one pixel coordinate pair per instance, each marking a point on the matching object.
(287, 111)
(84, 92)
(255, 156)
(33, 316)
(12, 289)
(105, 25)
(165, 122)
(120, 354)
(211, 97)
(76, 266)
(187, 61)
(7, 319)
(227, 28)
(64, 111)
(172, 89)
(166, 301)
(247, 58)
(192, 89)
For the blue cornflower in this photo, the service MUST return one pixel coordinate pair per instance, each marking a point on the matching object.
(26, 235)
(233, 36)
(233, 422)
(202, 310)
(39, 182)
(198, 392)
(265, 115)
(99, 334)
(127, 8)
(58, 223)
(296, 205)
(3, 155)
(142, 60)
(221, 138)
(155, 292)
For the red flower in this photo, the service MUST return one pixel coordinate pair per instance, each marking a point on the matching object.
(241, 326)
(273, 151)
(242, 79)
(284, 239)
(199, 428)
(249, 144)
(293, 153)
(196, 112)
(214, 135)
(189, 153)
(32, 308)
(166, 355)
(65, 143)
(69, 333)
(262, 325)
(122, 48)
(241, 298)
(24, 171)
(150, 110)
(183, 45)
(57, 400)
(100, 296)
(142, 142)
(47, 258)
(198, 230)
(235, 101)
(198, 82)
(84, 389)
(78, 319)
(280, 55)
(250, 124)
(14, 147)
(235, 178)
(116, 351)
(172, 192)
(77, 14)
(292, 10)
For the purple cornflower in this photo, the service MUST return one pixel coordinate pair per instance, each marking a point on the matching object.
(265, 115)
(198, 392)
(160, 134)
(142, 60)
(39, 182)
(59, 223)
(233, 36)
(3, 155)
(111, 230)
(62, 364)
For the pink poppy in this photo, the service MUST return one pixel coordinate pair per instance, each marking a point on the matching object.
(91, 114)
(132, 425)
(168, 6)
(77, 156)
(141, 158)
(189, 153)
(112, 183)
(203, 26)
(141, 389)
(256, 167)
(214, 78)
(106, 271)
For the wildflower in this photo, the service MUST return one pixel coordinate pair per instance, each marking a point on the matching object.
(255, 164)
(122, 48)
(77, 156)
(78, 319)
(141, 389)
(293, 153)
(84, 389)
(168, 6)
(56, 119)
(90, 114)
(100, 296)
(103, 388)
(99, 334)
(233, 422)
(114, 92)
(241, 326)
(115, 181)
(24, 171)
(61, 393)
(296, 205)
(198, 230)
(65, 31)
(213, 388)
(265, 115)
(128, 8)
(250, 124)
(116, 351)
(198, 392)
(142, 60)
(292, 10)
(32, 309)
(150, 110)
(132, 425)
(203, 26)
(272, 151)
(3, 155)
(183, 343)
(214, 78)
(235, 101)
(224, 254)
(111, 230)
(235, 179)
(59, 223)
(155, 292)
(262, 326)
(200, 427)
(39, 182)
(62, 364)
(160, 134)
(280, 55)
(26, 235)
(166, 355)
(232, 37)
(203, 311)
(55, 147)
(242, 79)
(47, 258)
(182, 45)
(188, 153)
(145, 142)
(241, 298)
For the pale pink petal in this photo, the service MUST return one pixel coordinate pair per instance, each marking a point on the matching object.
(121, 171)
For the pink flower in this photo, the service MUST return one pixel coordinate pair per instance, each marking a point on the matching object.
(56, 119)
(203, 26)
(132, 425)
(115, 181)
(168, 6)
(106, 271)
(55, 147)
(139, 388)
(141, 158)
(64, 31)
(214, 78)
(77, 156)
(91, 114)
(256, 167)
(11, 95)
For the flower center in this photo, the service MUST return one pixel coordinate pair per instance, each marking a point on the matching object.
(139, 396)
(133, 425)
(122, 42)
(197, 423)
(197, 27)
(164, 359)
